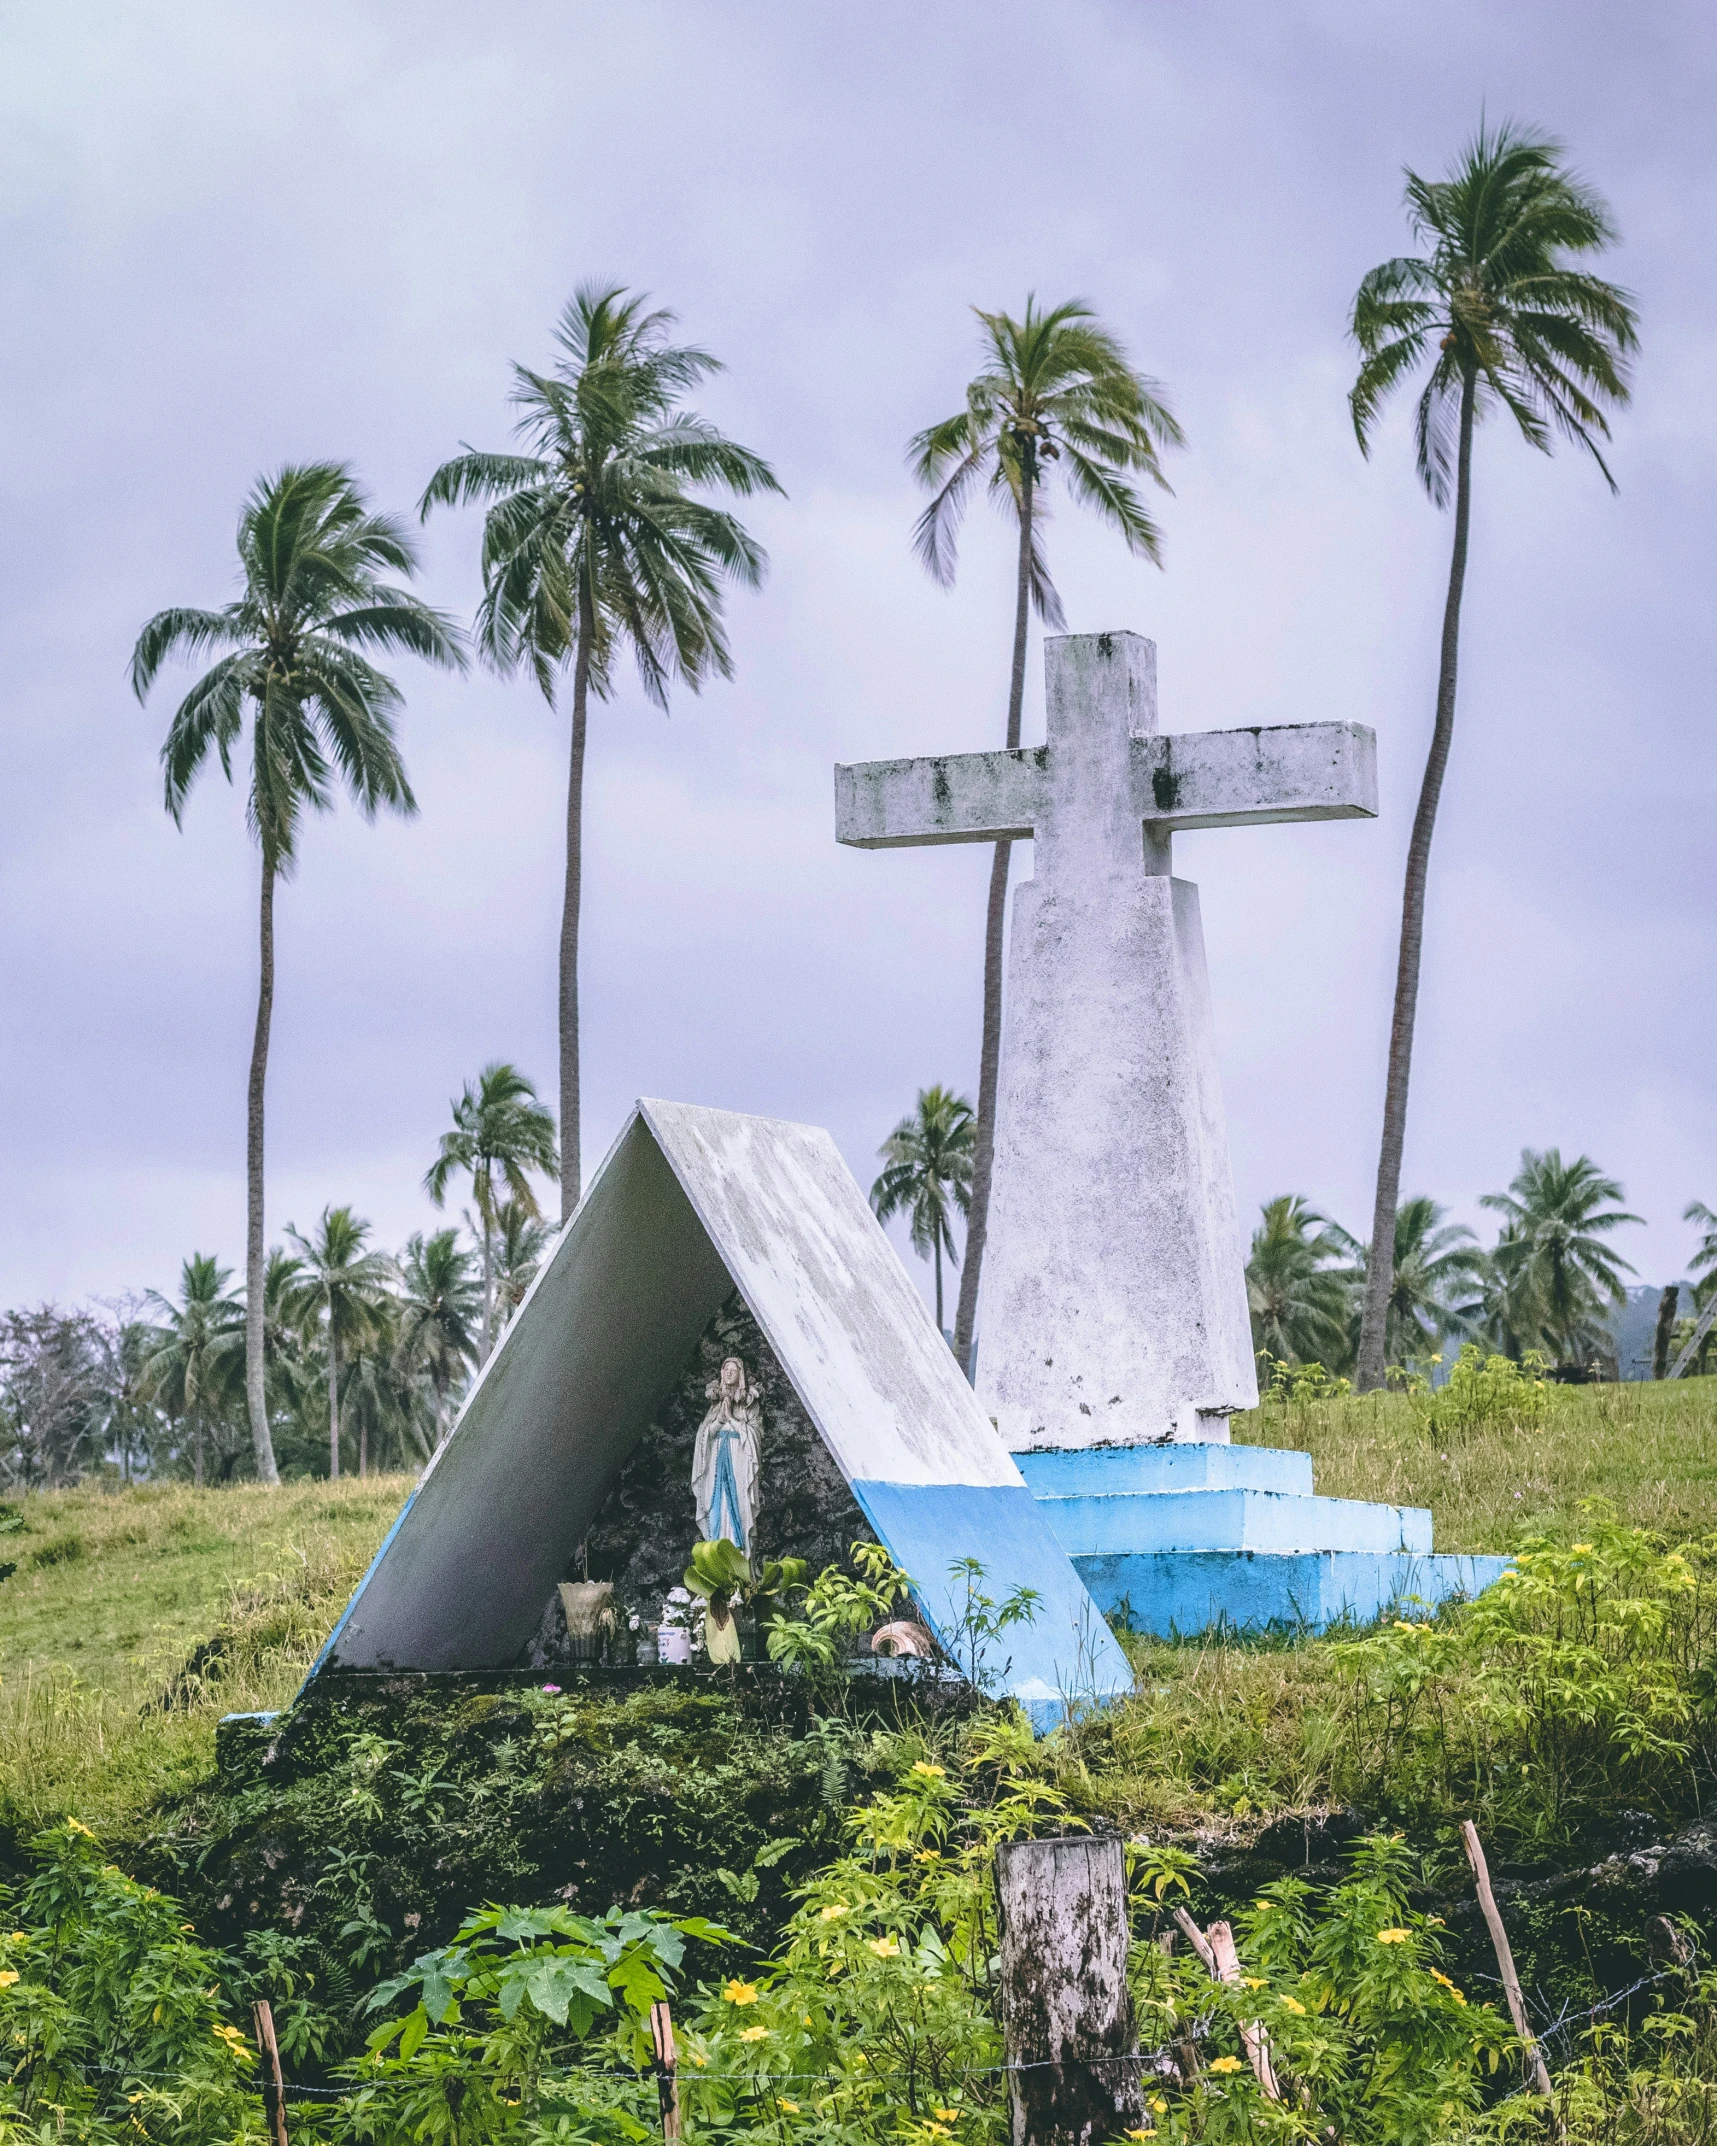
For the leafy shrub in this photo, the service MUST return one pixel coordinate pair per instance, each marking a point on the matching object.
(1491, 1393)
(1581, 1682)
(110, 2014)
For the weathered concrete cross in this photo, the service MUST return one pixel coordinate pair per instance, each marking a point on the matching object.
(1114, 1297)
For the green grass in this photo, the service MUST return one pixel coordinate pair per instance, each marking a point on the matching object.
(1647, 1450)
(117, 1590)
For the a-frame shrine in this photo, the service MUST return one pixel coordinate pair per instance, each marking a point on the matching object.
(695, 1216)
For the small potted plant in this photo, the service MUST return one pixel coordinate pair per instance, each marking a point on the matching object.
(722, 1574)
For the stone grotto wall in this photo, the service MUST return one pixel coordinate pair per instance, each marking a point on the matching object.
(644, 1534)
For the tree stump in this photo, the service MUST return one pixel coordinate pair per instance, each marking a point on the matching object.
(1067, 2015)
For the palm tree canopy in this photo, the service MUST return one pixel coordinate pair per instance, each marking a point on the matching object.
(599, 515)
(341, 1286)
(927, 1170)
(1703, 1264)
(1554, 1269)
(312, 556)
(1438, 1271)
(193, 1358)
(440, 1303)
(1056, 387)
(1297, 1295)
(1495, 300)
(500, 1130)
(520, 1238)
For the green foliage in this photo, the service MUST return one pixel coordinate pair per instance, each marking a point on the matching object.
(1490, 1393)
(493, 2047)
(1553, 1274)
(838, 1605)
(927, 1172)
(1056, 385)
(1297, 1295)
(1369, 2037)
(1497, 305)
(110, 2012)
(1578, 1684)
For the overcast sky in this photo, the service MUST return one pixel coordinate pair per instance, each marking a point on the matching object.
(238, 234)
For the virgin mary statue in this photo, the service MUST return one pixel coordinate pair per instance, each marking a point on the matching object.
(726, 1458)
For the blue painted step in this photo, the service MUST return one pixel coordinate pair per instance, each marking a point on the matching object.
(1176, 1539)
(1177, 1593)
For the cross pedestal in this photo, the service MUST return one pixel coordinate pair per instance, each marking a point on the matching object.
(1113, 1309)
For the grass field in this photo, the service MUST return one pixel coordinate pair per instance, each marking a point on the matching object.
(118, 1594)
(117, 1590)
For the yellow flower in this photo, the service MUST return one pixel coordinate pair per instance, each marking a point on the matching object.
(885, 1948)
(936, 1773)
(8, 1975)
(1252, 1982)
(1582, 1549)
(1225, 2064)
(1437, 1975)
(1144, 2132)
(1159, 2107)
(737, 1992)
(1393, 1937)
(754, 2034)
(835, 1910)
(74, 1825)
(698, 2058)
(937, 2131)
(1293, 2004)
(20, 1937)
(792, 2107)
(947, 2116)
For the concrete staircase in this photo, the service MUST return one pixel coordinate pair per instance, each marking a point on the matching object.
(1176, 1539)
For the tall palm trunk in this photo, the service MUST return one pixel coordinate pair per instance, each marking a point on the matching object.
(197, 1449)
(255, 1383)
(995, 923)
(487, 1334)
(938, 1283)
(1380, 1263)
(569, 1130)
(333, 1399)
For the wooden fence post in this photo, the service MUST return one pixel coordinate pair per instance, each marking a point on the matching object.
(273, 2085)
(1067, 2015)
(1535, 2066)
(667, 2067)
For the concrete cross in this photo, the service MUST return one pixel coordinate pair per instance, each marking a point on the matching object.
(1114, 1299)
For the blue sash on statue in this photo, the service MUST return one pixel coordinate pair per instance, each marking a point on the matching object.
(724, 1515)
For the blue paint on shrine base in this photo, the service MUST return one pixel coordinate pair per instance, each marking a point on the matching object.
(1177, 1593)
(1066, 1653)
(1180, 1539)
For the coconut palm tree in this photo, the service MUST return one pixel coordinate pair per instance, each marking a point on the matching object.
(1437, 1277)
(520, 1239)
(1703, 1265)
(501, 1132)
(439, 1305)
(380, 1393)
(313, 600)
(1297, 1294)
(927, 1172)
(1507, 322)
(340, 1297)
(595, 540)
(1055, 386)
(1552, 1257)
(193, 1358)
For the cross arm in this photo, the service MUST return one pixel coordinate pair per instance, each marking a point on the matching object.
(958, 797)
(1248, 778)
